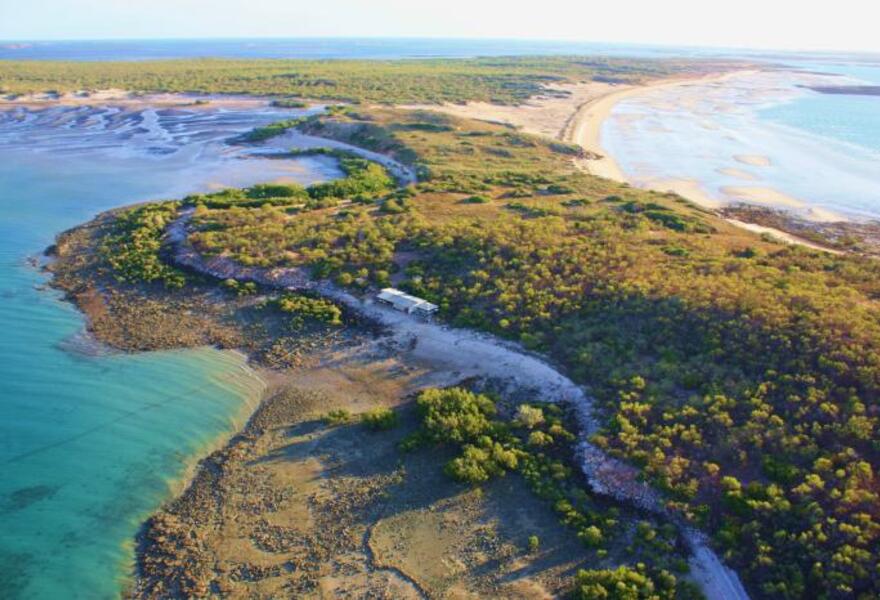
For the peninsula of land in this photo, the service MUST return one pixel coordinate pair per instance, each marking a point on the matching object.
(621, 387)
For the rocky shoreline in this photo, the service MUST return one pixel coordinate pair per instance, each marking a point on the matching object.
(860, 238)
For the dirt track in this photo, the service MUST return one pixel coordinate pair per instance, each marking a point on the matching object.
(472, 353)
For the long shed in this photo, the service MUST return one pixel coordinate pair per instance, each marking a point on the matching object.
(407, 303)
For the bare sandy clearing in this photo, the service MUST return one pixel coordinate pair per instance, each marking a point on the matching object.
(546, 115)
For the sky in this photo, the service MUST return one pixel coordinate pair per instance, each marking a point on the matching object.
(782, 24)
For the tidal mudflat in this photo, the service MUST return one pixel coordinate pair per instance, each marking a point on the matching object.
(761, 137)
(92, 440)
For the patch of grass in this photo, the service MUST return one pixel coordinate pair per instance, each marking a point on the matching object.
(337, 417)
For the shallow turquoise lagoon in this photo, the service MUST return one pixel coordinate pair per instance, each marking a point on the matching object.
(89, 444)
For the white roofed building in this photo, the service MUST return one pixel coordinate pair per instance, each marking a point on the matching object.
(404, 302)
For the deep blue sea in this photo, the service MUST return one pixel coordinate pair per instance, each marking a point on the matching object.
(90, 442)
(365, 47)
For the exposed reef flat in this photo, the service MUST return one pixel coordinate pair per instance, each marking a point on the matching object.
(295, 506)
(856, 237)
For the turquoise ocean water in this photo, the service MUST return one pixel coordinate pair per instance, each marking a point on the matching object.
(89, 443)
(847, 118)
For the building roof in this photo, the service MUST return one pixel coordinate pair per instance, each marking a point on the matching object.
(405, 302)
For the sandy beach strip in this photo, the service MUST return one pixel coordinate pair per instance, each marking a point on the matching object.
(585, 127)
(782, 236)
(686, 188)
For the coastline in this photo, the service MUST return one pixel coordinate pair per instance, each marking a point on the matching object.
(178, 483)
(595, 466)
(133, 321)
(585, 128)
(288, 467)
(267, 380)
(575, 114)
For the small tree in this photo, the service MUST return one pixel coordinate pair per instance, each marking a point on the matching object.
(529, 416)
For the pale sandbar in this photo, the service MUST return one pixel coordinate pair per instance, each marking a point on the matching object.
(738, 174)
(753, 160)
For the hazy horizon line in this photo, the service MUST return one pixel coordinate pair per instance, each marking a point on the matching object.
(560, 40)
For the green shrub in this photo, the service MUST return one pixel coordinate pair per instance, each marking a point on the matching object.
(133, 246)
(288, 103)
(241, 288)
(529, 416)
(337, 417)
(478, 464)
(455, 414)
(380, 419)
(305, 308)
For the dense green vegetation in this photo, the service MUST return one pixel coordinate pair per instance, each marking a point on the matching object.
(363, 181)
(306, 308)
(289, 103)
(502, 79)
(133, 247)
(380, 419)
(536, 444)
(742, 375)
(623, 583)
(261, 134)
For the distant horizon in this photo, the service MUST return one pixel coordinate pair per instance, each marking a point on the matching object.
(439, 38)
(783, 25)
